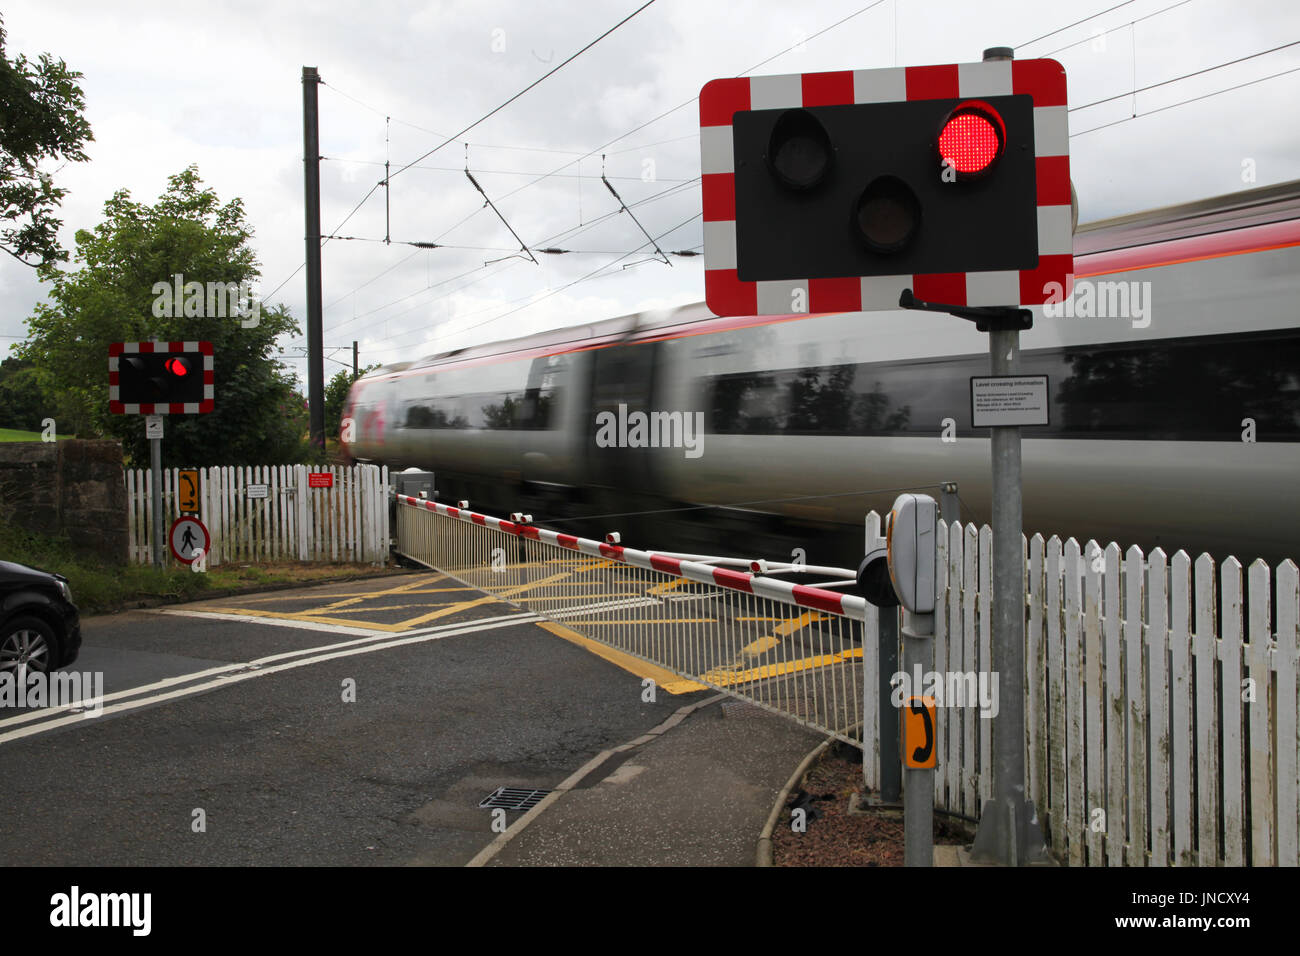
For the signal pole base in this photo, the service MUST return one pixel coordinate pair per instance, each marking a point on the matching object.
(1009, 835)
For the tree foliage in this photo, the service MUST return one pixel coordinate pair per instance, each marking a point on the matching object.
(41, 119)
(22, 402)
(258, 416)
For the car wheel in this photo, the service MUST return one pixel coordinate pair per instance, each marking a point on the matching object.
(29, 641)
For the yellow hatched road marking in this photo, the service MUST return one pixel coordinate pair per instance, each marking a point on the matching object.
(382, 592)
(664, 586)
(392, 607)
(721, 678)
(450, 609)
(671, 620)
(593, 594)
(759, 646)
(306, 616)
(540, 582)
(557, 584)
(798, 623)
(663, 678)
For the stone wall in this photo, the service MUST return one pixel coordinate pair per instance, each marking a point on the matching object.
(75, 488)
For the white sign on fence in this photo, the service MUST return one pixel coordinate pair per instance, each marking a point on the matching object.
(257, 491)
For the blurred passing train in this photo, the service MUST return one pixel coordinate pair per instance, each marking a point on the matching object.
(1174, 407)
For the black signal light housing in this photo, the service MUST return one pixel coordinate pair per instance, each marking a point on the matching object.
(799, 152)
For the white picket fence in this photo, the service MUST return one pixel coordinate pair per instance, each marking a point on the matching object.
(347, 522)
(1160, 701)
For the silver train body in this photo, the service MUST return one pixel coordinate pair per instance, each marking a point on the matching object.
(1175, 407)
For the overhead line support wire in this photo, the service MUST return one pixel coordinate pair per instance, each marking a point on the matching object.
(487, 201)
(623, 208)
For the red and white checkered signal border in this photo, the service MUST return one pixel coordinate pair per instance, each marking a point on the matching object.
(720, 100)
(117, 349)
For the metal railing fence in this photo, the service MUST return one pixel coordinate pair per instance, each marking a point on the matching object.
(794, 649)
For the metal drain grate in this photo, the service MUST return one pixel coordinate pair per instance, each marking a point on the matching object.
(513, 798)
(740, 708)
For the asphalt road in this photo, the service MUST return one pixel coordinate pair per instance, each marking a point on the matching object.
(229, 736)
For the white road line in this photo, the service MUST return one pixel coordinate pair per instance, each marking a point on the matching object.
(279, 622)
(605, 606)
(228, 674)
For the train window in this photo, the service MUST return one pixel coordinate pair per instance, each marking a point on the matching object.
(490, 397)
(1192, 389)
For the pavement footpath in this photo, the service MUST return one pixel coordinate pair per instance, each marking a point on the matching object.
(694, 791)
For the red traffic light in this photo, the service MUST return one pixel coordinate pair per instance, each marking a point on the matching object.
(972, 138)
(177, 366)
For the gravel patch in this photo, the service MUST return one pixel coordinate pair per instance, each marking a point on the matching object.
(835, 837)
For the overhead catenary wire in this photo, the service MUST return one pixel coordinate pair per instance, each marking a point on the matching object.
(455, 136)
(1076, 23)
(569, 232)
(674, 109)
(1114, 29)
(303, 265)
(560, 66)
(425, 129)
(532, 295)
(1203, 96)
(509, 172)
(541, 178)
(547, 250)
(1185, 76)
(569, 285)
(840, 22)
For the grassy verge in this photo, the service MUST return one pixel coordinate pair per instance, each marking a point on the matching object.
(98, 588)
(13, 434)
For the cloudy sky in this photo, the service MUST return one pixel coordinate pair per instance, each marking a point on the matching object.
(218, 85)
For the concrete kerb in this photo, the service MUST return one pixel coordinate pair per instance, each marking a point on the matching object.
(484, 856)
(764, 855)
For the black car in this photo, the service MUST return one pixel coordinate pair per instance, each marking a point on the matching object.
(39, 624)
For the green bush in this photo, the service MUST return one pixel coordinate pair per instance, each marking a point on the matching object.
(97, 587)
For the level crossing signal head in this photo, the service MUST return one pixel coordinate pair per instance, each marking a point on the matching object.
(827, 192)
(160, 378)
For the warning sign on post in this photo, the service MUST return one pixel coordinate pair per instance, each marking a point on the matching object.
(187, 491)
(998, 400)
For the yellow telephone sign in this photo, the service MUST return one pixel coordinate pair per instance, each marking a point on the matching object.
(918, 737)
(187, 491)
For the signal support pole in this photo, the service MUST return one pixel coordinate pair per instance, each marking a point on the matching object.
(311, 185)
(1008, 831)
(155, 468)
(891, 783)
(918, 784)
